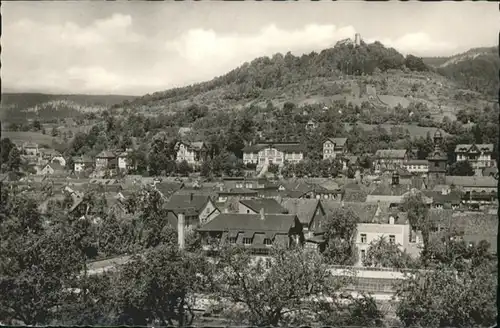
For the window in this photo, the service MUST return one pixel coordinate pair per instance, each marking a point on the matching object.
(392, 239)
(248, 211)
(247, 241)
(208, 210)
(232, 240)
(363, 238)
(363, 254)
(268, 242)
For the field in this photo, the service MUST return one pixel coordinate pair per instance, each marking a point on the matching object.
(19, 137)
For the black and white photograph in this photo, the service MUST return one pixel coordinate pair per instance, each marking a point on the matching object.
(249, 163)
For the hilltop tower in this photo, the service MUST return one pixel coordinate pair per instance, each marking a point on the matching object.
(437, 162)
(357, 39)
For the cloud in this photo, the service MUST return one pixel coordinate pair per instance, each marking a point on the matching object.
(111, 56)
(419, 43)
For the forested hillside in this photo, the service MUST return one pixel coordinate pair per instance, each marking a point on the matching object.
(476, 69)
(267, 78)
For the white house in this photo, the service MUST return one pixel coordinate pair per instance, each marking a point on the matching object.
(333, 147)
(192, 152)
(419, 166)
(273, 153)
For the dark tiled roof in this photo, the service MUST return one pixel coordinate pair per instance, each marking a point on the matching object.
(390, 190)
(473, 181)
(168, 188)
(277, 223)
(352, 195)
(268, 204)
(303, 208)
(337, 141)
(364, 211)
(181, 203)
(453, 197)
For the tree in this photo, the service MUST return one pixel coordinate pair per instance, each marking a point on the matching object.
(159, 286)
(14, 161)
(36, 265)
(183, 168)
(5, 147)
(461, 168)
(445, 297)
(54, 132)
(36, 125)
(419, 218)
(272, 294)
(381, 253)
(340, 236)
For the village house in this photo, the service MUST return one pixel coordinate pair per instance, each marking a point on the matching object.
(30, 148)
(51, 155)
(444, 198)
(257, 232)
(123, 160)
(310, 212)
(393, 227)
(51, 169)
(196, 208)
(239, 193)
(417, 166)
(334, 147)
(105, 160)
(193, 153)
(389, 159)
(80, 164)
(475, 190)
(273, 153)
(478, 155)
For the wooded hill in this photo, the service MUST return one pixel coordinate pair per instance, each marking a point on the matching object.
(323, 77)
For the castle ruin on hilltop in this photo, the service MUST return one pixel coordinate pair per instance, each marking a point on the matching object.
(356, 42)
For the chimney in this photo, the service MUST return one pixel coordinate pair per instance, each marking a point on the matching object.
(391, 219)
(180, 230)
(262, 215)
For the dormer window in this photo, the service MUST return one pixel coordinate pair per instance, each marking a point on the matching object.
(247, 241)
(268, 242)
(232, 240)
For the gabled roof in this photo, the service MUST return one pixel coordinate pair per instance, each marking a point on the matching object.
(276, 223)
(55, 166)
(179, 203)
(337, 141)
(269, 205)
(473, 181)
(454, 197)
(197, 145)
(106, 154)
(168, 188)
(464, 148)
(391, 153)
(303, 208)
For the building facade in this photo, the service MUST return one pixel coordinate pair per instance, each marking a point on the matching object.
(334, 147)
(390, 159)
(417, 166)
(193, 153)
(273, 153)
(478, 155)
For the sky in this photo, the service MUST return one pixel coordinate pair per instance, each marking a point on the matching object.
(136, 47)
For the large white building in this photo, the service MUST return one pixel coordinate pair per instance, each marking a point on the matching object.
(273, 153)
(478, 155)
